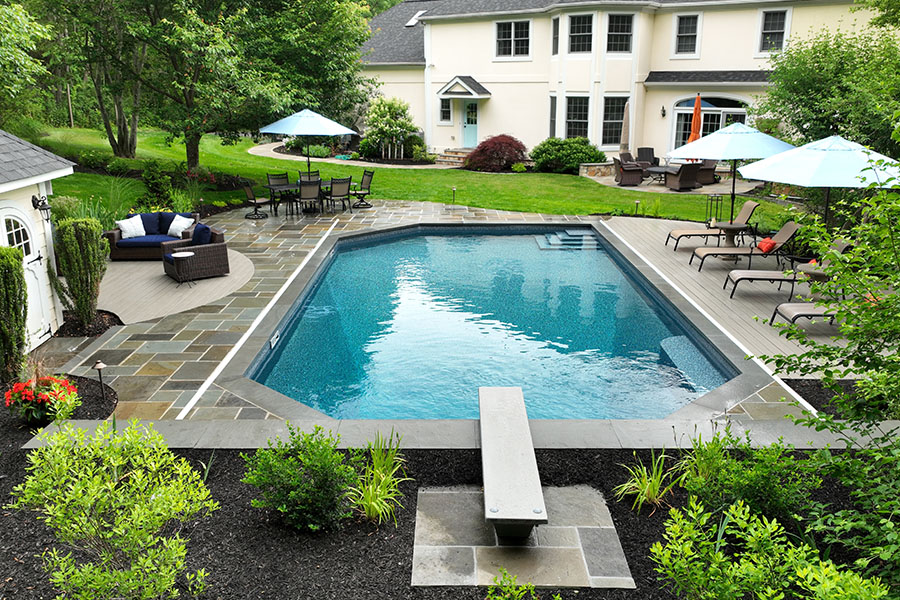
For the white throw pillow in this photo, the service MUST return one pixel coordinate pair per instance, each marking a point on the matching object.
(132, 227)
(178, 225)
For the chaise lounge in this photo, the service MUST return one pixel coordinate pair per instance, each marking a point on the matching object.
(146, 242)
(743, 218)
(784, 235)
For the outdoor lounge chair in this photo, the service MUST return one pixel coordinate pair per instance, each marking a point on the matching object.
(362, 189)
(784, 235)
(648, 155)
(685, 178)
(707, 173)
(791, 311)
(628, 173)
(743, 218)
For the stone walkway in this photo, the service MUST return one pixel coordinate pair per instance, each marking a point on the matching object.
(268, 150)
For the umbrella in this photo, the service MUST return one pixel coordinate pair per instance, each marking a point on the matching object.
(623, 138)
(307, 123)
(830, 162)
(696, 121)
(735, 142)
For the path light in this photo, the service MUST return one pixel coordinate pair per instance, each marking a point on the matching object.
(99, 366)
(454, 194)
(637, 203)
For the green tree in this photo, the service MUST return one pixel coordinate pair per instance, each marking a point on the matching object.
(14, 308)
(82, 251)
(388, 124)
(837, 84)
(19, 70)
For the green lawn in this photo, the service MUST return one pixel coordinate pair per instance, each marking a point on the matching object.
(531, 192)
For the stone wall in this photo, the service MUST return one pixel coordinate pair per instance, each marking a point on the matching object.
(604, 169)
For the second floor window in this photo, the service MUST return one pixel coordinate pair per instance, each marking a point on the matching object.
(619, 37)
(577, 116)
(686, 37)
(613, 119)
(512, 38)
(773, 26)
(555, 48)
(580, 33)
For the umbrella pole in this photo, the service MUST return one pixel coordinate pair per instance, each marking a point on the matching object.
(308, 170)
(733, 182)
(827, 199)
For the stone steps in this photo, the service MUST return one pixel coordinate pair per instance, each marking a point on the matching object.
(454, 156)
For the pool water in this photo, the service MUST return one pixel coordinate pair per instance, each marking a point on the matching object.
(410, 327)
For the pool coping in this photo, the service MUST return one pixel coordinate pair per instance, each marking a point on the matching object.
(713, 405)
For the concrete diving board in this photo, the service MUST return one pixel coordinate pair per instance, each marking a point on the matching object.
(513, 500)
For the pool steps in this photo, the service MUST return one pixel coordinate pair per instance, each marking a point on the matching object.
(681, 353)
(572, 239)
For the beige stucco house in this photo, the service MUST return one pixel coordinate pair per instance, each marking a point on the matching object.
(26, 173)
(537, 68)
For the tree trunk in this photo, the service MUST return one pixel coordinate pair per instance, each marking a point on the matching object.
(192, 147)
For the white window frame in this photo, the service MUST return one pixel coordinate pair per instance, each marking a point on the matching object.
(440, 121)
(557, 20)
(587, 121)
(619, 53)
(568, 39)
(612, 145)
(25, 226)
(554, 115)
(686, 55)
(759, 25)
(514, 57)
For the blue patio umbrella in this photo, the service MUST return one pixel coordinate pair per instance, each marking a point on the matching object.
(735, 142)
(309, 124)
(827, 163)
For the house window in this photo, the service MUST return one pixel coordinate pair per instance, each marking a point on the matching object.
(552, 116)
(577, 116)
(555, 49)
(512, 38)
(613, 119)
(686, 35)
(17, 235)
(446, 111)
(619, 36)
(580, 33)
(716, 113)
(773, 26)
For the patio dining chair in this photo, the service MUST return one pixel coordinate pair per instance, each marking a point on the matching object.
(362, 189)
(311, 194)
(255, 202)
(309, 175)
(339, 190)
(276, 179)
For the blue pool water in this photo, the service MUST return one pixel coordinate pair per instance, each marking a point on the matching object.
(410, 327)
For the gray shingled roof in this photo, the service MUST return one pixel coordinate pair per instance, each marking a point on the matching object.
(707, 77)
(391, 41)
(21, 160)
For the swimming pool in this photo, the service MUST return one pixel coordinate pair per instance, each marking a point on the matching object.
(409, 326)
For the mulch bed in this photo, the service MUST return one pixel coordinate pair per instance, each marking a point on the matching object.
(102, 321)
(818, 395)
(249, 554)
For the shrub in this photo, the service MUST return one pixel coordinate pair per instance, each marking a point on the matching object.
(368, 148)
(745, 556)
(388, 124)
(81, 250)
(119, 167)
(120, 500)
(518, 167)
(496, 153)
(158, 184)
(39, 399)
(647, 484)
(412, 144)
(768, 479)
(555, 155)
(378, 494)
(91, 159)
(317, 151)
(307, 479)
(506, 588)
(14, 308)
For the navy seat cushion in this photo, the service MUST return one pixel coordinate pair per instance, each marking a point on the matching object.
(145, 241)
(202, 235)
(166, 218)
(169, 259)
(151, 223)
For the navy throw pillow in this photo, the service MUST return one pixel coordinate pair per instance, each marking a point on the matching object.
(202, 235)
(151, 223)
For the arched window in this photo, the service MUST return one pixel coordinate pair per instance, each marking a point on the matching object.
(17, 235)
(716, 112)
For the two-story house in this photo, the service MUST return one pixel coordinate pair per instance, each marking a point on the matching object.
(538, 68)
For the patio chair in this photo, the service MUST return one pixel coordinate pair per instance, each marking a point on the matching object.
(311, 194)
(784, 235)
(803, 272)
(276, 179)
(339, 190)
(255, 202)
(628, 174)
(309, 175)
(707, 173)
(648, 155)
(362, 189)
(743, 218)
(627, 159)
(209, 260)
(685, 178)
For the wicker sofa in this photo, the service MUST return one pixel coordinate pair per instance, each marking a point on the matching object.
(147, 247)
(209, 260)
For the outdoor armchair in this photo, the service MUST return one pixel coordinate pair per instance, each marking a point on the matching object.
(683, 179)
(707, 173)
(628, 174)
(209, 260)
(648, 155)
(627, 158)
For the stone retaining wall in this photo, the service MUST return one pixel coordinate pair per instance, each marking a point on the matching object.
(604, 169)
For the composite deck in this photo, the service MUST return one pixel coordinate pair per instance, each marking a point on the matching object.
(736, 316)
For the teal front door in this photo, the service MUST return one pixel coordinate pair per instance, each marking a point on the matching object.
(470, 125)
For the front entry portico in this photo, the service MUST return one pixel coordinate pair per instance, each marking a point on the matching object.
(471, 94)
